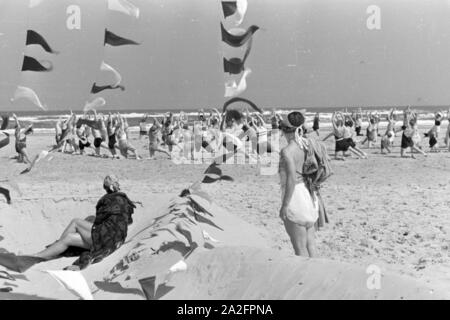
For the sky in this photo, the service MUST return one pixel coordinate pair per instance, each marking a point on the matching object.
(308, 53)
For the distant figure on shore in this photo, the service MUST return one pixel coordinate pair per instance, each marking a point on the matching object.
(372, 131)
(409, 131)
(342, 144)
(143, 126)
(316, 123)
(21, 141)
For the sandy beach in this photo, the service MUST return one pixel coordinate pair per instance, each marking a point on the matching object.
(384, 211)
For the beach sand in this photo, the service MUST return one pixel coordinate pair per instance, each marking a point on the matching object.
(384, 211)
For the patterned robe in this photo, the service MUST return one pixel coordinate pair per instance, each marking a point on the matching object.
(113, 215)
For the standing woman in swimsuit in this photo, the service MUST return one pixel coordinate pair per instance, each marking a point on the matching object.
(21, 140)
(299, 211)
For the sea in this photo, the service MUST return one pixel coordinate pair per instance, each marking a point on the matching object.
(44, 121)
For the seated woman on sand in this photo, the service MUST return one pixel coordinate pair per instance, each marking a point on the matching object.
(298, 211)
(102, 237)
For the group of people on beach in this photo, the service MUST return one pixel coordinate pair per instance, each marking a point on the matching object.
(346, 127)
(216, 133)
(303, 164)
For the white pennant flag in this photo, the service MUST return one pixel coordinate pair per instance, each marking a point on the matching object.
(94, 104)
(34, 3)
(117, 76)
(208, 237)
(74, 282)
(27, 93)
(124, 6)
(241, 6)
(179, 266)
(232, 89)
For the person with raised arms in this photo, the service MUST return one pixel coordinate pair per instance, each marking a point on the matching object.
(143, 127)
(124, 145)
(409, 130)
(21, 140)
(341, 145)
(154, 139)
(371, 132)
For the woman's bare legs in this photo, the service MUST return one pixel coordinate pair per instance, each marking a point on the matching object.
(77, 234)
(302, 239)
(77, 226)
(25, 157)
(357, 152)
(415, 148)
(311, 241)
(71, 240)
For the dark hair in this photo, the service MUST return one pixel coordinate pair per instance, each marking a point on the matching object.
(296, 118)
(233, 114)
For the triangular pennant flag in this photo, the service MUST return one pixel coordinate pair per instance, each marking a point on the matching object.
(5, 192)
(236, 65)
(229, 8)
(18, 263)
(27, 93)
(5, 122)
(214, 169)
(208, 237)
(31, 64)
(148, 286)
(5, 141)
(94, 104)
(117, 76)
(179, 266)
(237, 40)
(208, 179)
(96, 89)
(241, 10)
(74, 282)
(115, 40)
(35, 38)
(124, 6)
(233, 66)
(234, 90)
